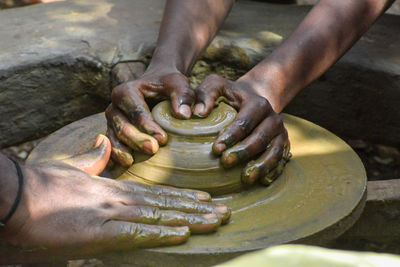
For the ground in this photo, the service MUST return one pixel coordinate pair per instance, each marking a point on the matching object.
(16, 3)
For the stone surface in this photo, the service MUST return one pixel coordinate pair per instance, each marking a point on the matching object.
(379, 223)
(394, 9)
(56, 60)
(55, 66)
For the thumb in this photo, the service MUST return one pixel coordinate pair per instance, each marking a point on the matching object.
(95, 160)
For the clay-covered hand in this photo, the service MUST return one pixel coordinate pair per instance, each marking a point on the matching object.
(130, 123)
(62, 206)
(257, 131)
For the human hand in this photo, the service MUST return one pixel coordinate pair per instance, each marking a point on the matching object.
(257, 129)
(62, 206)
(130, 123)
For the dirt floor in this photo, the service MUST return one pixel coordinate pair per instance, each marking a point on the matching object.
(17, 3)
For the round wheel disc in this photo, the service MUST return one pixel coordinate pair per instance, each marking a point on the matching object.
(320, 194)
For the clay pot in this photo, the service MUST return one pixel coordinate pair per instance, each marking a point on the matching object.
(186, 161)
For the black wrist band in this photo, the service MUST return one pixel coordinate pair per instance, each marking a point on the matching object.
(19, 194)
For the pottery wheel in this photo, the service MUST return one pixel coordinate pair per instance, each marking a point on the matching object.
(320, 194)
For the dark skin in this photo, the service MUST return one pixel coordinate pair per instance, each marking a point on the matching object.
(257, 129)
(108, 210)
(130, 124)
(63, 206)
(326, 33)
(258, 135)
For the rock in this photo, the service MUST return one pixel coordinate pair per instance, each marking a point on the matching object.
(380, 220)
(384, 161)
(357, 144)
(55, 66)
(386, 151)
(56, 62)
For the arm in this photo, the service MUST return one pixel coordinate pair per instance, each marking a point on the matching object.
(186, 30)
(65, 208)
(326, 33)
(8, 185)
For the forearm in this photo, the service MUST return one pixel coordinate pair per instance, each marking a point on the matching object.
(326, 33)
(186, 30)
(8, 185)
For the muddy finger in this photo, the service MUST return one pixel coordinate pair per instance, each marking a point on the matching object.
(198, 223)
(129, 134)
(266, 162)
(254, 144)
(119, 152)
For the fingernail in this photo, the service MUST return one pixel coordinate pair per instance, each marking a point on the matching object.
(99, 140)
(149, 147)
(202, 196)
(224, 211)
(218, 148)
(161, 138)
(250, 175)
(185, 111)
(229, 160)
(210, 216)
(199, 109)
(183, 229)
(221, 209)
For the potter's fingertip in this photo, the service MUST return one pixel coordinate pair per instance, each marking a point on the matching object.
(150, 147)
(228, 160)
(250, 175)
(99, 140)
(221, 209)
(184, 229)
(203, 196)
(225, 212)
(162, 138)
(185, 111)
(199, 110)
(218, 148)
(211, 217)
(179, 234)
(122, 158)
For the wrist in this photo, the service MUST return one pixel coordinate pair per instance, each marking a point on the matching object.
(8, 185)
(269, 82)
(164, 60)
(161, 68)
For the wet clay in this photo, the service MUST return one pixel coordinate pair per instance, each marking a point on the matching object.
(319, 195)
(186, 161)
